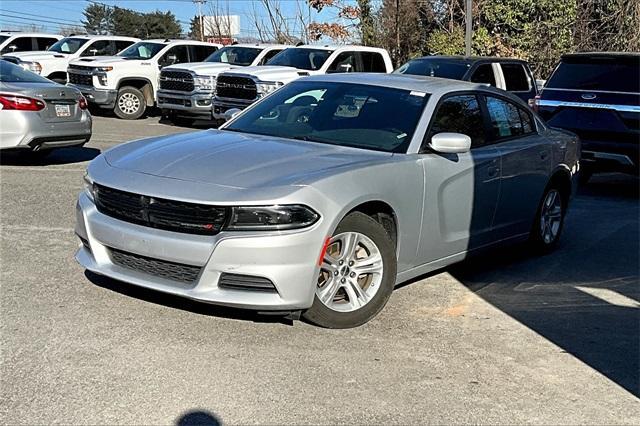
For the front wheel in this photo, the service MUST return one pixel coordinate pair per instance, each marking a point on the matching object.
(130, 104)
(357, 274)
(547, 227)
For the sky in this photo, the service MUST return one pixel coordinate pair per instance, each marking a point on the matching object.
(51, 14)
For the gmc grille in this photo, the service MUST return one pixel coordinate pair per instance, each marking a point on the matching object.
(159, 213)
(176, 80)
(81, 79)
(160, 268)
(236, 87)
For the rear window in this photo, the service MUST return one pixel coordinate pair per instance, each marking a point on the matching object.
(609, 74)
(434, 68)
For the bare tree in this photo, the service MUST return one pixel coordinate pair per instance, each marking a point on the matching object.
(272, 24)
(219, 24)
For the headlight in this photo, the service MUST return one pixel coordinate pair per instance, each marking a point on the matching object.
(268, 87)
(88, 186)
(104, 69)
(102, 78)
(204, 82)
(271, 218)
(32, 66)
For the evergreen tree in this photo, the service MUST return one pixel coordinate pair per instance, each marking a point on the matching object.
(97, 19)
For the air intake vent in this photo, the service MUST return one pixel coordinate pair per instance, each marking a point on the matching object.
(161, 268)
(246, 282)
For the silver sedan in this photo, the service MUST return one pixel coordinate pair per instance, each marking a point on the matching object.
(37, 114)
(326, 194)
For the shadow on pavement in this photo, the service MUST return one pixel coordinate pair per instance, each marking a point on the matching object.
(176, 302)
(198, 418)
(57, 156)
(584, 297)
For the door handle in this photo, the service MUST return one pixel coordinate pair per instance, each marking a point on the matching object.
(493, 171)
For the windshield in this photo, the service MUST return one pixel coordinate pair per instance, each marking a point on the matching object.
(607, 73)
(433, 67)
(10, 73)
(304, 59)
(234, 55)
(353, 115)
(68, 45)
(142, 50)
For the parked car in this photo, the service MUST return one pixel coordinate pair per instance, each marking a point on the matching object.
(39, 115)
(324, 206)
(597, 96)
(127, 82)
(15, 41)
(512, 75)
(237, 89)
(186, 90)
(53, 62)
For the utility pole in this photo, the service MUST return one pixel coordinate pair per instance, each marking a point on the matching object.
(199, 4)
(469, 28)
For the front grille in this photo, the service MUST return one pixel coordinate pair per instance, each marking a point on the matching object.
(236, 87)
(160, 213)
(160, 268)
(81, 79)
(245, 282)
(176, 80)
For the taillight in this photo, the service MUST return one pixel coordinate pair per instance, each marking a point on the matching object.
(82, 102)
(534, 103)
(20, 103)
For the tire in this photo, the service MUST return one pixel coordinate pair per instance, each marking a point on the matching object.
(345, 306)
(130, 103)
(549, 221)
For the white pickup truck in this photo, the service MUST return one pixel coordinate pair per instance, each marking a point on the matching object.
(186, 90)
(237, 89)
(53, 62)
(127, 82)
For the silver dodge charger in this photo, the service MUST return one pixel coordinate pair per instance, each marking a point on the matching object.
(323, 196)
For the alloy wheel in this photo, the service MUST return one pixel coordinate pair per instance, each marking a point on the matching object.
(129, 103)
(551, 216)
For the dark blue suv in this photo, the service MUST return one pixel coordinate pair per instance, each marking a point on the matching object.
(597, 96)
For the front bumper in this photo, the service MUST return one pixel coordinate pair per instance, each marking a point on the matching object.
(221, 106)
(198, 104)
(105, 98)
(608, 156)
(287, 259)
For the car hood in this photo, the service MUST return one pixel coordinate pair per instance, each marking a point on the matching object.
(274, 72)
(37, 55)
(99, 61)
(203, 68)
(238, 160)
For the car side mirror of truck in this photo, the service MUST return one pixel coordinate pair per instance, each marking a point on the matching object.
(450, 143)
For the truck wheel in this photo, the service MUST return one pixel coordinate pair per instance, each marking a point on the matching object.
(357, 274)
(130, 104)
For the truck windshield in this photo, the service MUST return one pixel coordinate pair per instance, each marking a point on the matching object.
(235, 55)
(142, 50)
(345, 114)
(588, 73)
(304, 59)
(10, 73)
(434, 67)
(68, 45)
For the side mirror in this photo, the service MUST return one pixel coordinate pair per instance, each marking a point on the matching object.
(172, 59)
(13, 47)
(344, 68)
(231, 113)
(93, 51)
(450, 143)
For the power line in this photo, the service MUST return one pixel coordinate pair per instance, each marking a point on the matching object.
(38, 16)
(39, 20)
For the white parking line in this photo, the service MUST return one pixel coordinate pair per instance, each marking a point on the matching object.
(610, 296)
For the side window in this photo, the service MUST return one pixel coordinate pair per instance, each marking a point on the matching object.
(507, 119)
(44, 43)
(98, 48)
(459, 114)
(122, 44)
(200, 53)
(270, 54)
(372, 62)
(18, 44)
(175, 55)
(345, 62)
(515, 78)
(484, 74)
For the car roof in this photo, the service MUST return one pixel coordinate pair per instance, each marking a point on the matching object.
(109, 37)
(168, 41)
(260, 45)
(433, 85)
(334, 47)
(601, 55)
(472, 59)
(20, 33)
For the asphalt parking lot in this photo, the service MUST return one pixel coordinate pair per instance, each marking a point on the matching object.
(502, 338)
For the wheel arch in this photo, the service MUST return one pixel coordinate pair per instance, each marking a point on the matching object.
(142, 84)
(380, 211)
(561, 178)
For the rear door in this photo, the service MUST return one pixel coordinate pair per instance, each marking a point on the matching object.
(598, 98)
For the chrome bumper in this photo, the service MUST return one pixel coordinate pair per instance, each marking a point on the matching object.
(105, 98)
(198, 103)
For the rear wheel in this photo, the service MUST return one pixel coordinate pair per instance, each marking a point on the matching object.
(357, 275)
(547, 227)
(130, 104)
